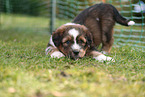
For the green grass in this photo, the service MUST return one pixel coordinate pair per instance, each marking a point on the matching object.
(25, 70)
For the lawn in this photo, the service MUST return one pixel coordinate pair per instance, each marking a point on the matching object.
(25, 70)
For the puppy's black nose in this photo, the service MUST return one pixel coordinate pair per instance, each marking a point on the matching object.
(76, 52)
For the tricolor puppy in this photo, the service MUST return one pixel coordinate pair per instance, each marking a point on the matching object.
(92, 27)
(74, 41)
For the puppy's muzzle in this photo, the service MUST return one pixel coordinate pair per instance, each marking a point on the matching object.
(78, 54)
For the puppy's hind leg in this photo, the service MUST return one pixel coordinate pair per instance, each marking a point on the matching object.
(107, 45)
(107, 35)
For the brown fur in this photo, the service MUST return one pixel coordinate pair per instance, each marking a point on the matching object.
(100, 20)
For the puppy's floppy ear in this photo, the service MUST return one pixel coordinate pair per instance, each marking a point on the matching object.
(90, 40)
(56, 38)
(58, 35)
(88, 36)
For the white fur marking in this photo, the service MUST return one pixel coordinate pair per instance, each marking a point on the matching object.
(76, 47)
(70, 24)
(97, 19)
(131, 23)
(51, 42)
(102, 58)
(57, 54)
(74, 33)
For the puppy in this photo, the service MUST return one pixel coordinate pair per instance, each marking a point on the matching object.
(89, 29)
(100, 20)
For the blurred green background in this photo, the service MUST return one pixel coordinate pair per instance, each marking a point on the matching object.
(13, 14)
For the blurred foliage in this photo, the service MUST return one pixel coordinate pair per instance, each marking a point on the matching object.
(30, 7)
(71, 8)
(39, 7)
(66, 9)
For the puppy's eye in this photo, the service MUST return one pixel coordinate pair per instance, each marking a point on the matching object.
(81, 41)
(67, 42)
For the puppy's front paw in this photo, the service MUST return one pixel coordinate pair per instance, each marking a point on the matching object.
(104, 52)
(102, 58)
(57, 54)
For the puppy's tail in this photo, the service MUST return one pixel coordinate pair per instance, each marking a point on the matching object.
(120, 19)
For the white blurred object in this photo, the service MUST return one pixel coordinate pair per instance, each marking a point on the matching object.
(140, 6)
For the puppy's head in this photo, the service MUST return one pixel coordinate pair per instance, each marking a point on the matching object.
(72, 40)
